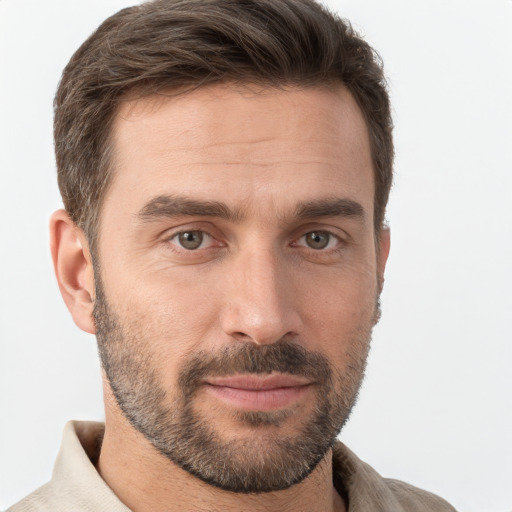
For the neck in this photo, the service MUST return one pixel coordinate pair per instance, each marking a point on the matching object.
(144, 480)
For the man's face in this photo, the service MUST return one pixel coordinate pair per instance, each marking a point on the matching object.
(237, 277)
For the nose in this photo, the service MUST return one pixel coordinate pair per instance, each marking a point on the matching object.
(261, 303)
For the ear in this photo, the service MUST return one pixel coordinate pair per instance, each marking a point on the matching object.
(383, 247)
(73, 268)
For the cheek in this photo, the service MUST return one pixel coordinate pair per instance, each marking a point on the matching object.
(339, 316)
(165, 319)
(343, 293)
(166, 298)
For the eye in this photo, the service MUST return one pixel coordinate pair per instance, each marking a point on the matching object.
(319, 240)
(191, 240)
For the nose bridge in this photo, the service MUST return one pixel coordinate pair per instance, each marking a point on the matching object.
(260, 306)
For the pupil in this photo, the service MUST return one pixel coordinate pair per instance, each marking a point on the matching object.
(191, 239)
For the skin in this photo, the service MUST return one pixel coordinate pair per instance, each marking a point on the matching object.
(255, 280)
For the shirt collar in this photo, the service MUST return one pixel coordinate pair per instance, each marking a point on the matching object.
(75, 476)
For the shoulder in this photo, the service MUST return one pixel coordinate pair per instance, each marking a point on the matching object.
(413, 499)
(366, 490)
(37, 501)
(75, 485)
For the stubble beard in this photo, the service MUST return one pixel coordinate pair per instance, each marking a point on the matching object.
(265, 461)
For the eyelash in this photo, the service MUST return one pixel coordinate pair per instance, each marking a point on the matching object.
(332, 237)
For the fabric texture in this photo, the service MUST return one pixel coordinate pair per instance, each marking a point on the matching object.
(76, 486)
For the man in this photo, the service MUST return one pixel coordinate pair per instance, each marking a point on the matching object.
(225, 167)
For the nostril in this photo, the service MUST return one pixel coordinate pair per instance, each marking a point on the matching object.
(241, 336)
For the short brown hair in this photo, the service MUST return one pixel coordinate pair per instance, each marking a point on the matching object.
(186, 44)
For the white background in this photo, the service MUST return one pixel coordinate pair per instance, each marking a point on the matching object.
(436, 407)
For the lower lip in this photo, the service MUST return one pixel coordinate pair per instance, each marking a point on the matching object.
(258, 400)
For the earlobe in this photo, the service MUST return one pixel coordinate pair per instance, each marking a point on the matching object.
(73, 268)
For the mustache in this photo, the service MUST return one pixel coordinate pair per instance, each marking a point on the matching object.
(243, 358)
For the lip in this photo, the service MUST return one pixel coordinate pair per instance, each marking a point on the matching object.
(258, 392)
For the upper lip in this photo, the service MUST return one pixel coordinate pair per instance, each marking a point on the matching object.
(259, 382)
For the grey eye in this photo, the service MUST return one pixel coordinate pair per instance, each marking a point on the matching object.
(191, 239)
(317, 239)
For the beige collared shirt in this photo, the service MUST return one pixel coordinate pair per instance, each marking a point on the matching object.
(76, 486)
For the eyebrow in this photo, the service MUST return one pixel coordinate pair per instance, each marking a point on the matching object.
(330, 207)
(177, 206)
(171, 206)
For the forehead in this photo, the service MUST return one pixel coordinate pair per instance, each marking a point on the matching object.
(242, 145)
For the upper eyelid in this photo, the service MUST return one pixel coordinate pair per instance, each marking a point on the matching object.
(181, 231)
(177, 233)
(335, 231)
(184, 228)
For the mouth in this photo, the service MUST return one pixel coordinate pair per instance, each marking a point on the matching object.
(258, 392)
